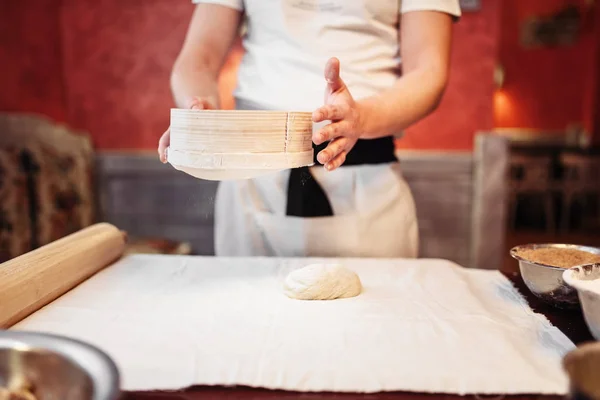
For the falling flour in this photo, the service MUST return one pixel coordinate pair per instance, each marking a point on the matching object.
(322, 282)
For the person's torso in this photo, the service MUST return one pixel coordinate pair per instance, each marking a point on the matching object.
(288, 42)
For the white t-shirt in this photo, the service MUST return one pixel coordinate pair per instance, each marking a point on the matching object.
(288, 42)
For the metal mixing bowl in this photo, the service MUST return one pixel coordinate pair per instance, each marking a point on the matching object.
(57, 368)
(545, 281)
(590, 299)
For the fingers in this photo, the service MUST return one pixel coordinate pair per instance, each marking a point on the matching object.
(332, 75)
(335, 153)
(200, 103)
(336, 162)
(163, 143)
(331, 131)
(196, 103)
(330, 113)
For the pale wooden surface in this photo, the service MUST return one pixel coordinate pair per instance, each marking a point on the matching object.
(31, 281)
(234, 144)
(235, 131)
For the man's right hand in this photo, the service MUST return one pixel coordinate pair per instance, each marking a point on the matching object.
(196, 103)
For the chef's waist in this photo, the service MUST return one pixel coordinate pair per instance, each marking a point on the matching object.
(367, 152)
(372, 151)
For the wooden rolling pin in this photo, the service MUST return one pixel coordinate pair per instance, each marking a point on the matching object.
(34, 279)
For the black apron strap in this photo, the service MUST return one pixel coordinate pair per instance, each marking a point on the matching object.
(367, 152)
(306, 198)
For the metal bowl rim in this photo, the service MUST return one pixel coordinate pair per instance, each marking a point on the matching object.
(533, 246)
(68, 348)
(22, 336)
(568, 277)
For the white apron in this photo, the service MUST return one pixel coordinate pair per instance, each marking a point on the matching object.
(374, 216)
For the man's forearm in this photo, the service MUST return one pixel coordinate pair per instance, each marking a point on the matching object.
(191, 79)
(412, 97)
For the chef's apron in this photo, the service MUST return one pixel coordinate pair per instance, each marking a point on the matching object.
(371, 211)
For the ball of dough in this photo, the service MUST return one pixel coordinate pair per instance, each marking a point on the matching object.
(322, 282)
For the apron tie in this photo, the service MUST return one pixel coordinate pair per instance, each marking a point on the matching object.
(306, 198)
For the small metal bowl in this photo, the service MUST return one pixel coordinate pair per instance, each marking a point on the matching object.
(590, 299)
(545, 281)
(56, 368)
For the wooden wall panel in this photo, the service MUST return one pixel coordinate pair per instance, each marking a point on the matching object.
(490, 201)
(147, 198)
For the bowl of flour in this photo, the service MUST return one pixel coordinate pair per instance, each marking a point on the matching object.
(586, 280)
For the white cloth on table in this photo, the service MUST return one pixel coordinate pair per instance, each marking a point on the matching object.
(419, 325)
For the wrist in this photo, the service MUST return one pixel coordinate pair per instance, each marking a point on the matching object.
(189, 89)
(367, 119)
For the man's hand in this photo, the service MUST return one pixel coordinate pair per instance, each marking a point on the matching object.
(345, 116)
(195, 104)
(424, 42)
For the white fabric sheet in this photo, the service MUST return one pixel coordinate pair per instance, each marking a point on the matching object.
(420, 325)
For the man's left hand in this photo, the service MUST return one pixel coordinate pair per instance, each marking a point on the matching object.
(345, 115)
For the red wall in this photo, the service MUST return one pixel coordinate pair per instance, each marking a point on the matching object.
(545, 89)
(103, 66)
(31, 62)
(467, 104)
(591, 96)
(117, 61)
